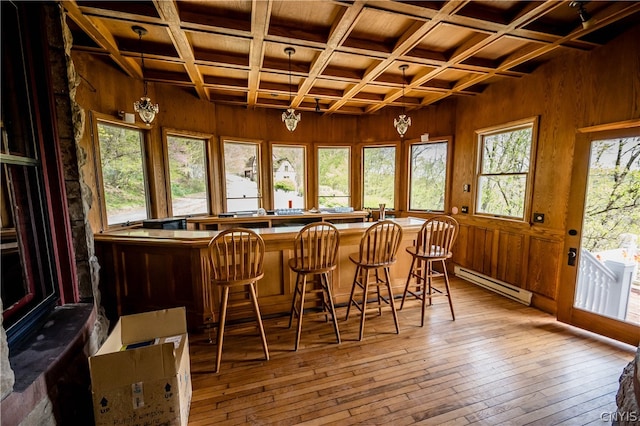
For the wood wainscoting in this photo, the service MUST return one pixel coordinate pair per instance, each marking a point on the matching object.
(514, 253)
(499, 362)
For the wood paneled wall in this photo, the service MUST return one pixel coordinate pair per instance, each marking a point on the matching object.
(576, 89)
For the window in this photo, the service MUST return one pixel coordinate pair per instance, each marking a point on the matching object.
(428, 175)
(123, 178)
(242, 176)
(504, 182)
(379, 176)
(28, 281)
(334, 171)
(186, 157)
(289, 174)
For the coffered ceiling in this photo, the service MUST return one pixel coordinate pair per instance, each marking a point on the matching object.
(347, 53)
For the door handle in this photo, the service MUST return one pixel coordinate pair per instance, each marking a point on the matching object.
(572, 255)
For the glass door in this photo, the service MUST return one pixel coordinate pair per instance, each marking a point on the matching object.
(601, 279)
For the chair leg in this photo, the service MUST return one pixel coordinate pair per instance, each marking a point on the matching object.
(446, 283)
(406, 286)
(256, 309)
(293, 299)
(353, 289)
(327, 288)
(378, 282)
(365, 290)
(391, 301)
(303, 288)
(223, 318)
(426, 279)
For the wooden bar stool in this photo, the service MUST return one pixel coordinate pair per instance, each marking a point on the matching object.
(236, 259)
(315, 253)
(433, 244)
(378, 248)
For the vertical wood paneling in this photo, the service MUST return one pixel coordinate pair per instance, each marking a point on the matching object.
(509, 257)
(544, 266)
(481, 250)
(460, 248)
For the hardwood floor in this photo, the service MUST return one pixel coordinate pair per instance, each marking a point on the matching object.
(499, 362)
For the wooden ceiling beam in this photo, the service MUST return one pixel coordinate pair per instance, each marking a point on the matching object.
(480, 31)
(471, 47)
(168, 10)
(339, 32)
(260, 17)
(615, 12)
(103, 38)
(410, 39)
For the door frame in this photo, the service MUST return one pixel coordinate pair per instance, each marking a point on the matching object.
(567, 313)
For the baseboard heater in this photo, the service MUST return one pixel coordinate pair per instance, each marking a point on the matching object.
(497, 286)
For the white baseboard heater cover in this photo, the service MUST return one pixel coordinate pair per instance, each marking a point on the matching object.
(507, 290)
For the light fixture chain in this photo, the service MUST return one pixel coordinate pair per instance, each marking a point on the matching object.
(144, 80)
(289, 79)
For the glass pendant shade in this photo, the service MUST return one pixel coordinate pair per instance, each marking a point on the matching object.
(291, 119)
(146, 109)
(403, 122)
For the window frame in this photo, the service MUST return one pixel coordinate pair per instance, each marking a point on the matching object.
(207, 140)
(306, 161)
(316, 174)
(448, 173)
(97, 118)
(261, 172)
(531, 122)
(396, 178)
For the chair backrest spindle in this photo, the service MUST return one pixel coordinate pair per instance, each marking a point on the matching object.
(380, 243)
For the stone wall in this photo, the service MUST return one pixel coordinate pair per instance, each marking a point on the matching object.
(628, 397)
(69, 116)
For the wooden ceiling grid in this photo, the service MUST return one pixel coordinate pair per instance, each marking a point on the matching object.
(348, 52)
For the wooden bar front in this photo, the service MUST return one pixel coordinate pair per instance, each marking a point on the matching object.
(148, 269)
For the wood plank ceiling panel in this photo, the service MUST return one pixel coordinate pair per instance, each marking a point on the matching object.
(348, 53)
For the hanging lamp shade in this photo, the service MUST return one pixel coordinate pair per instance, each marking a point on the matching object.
(403, 122)
(146, 109)
(290, 117)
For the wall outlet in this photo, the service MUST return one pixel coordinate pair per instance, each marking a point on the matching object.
(538, 218)
(466, 187)
(464, 209)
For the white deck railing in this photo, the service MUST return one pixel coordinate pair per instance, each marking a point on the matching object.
(604, 286)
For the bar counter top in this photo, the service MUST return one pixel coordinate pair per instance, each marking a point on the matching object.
(199, 238)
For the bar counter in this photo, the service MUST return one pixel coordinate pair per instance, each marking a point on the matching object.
(147, 269)
(266, 221)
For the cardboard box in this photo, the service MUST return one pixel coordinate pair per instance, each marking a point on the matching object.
(141, 374)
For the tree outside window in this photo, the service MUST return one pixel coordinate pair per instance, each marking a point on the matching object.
(187, 175)
(379, 176)
(503, 178)
(289, 175)
(334, 173)
(612, 207)
(242, 175)
(123, 176)
(428, 176)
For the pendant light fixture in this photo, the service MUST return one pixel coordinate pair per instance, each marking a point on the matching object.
(403, 122)
(585, 18)
(289, 117)
(144, 107)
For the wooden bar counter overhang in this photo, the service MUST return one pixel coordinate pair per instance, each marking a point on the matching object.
(146, 269)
